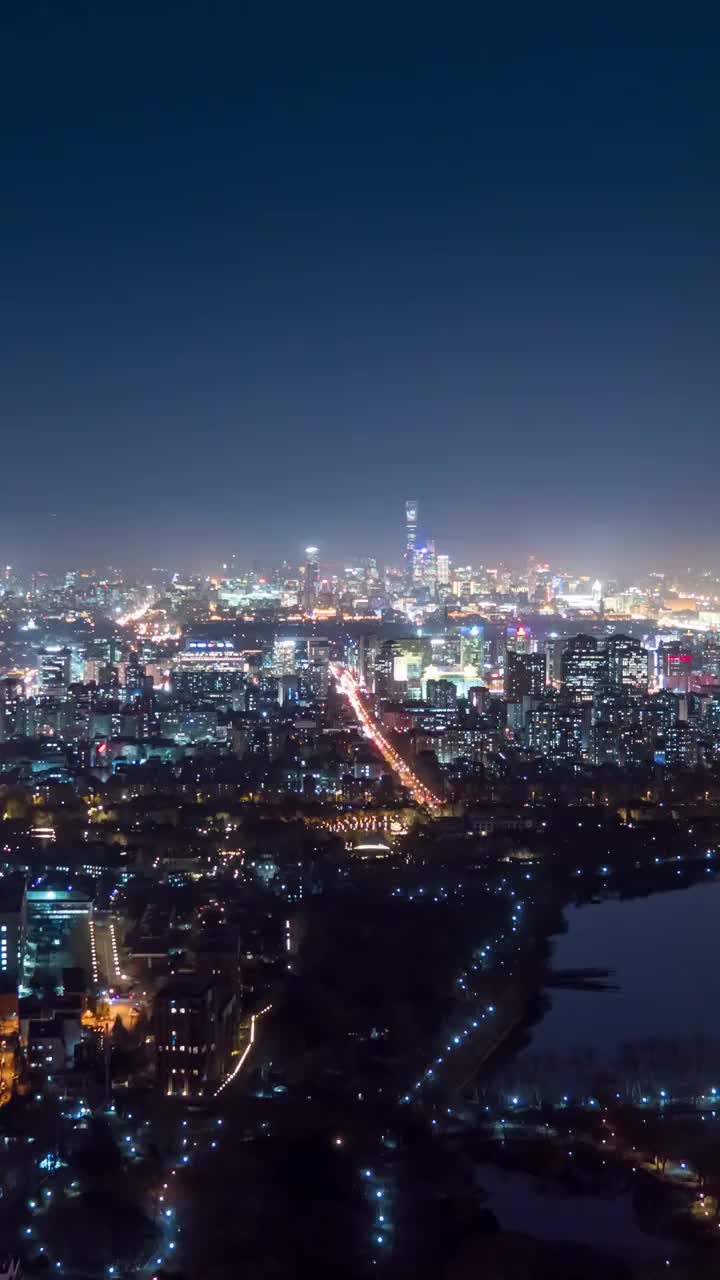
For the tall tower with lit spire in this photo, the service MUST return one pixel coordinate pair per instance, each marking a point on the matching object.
(412, 511)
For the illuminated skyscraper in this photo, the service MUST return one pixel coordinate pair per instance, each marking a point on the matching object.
(54, 666)
(524, 675)
(583, 666)
(676, 661)
(284, 657)
(310, 575)
(518, 640)
(472, 651)
(627, 662)
(425, 568)
(441, 693)
(411, 528)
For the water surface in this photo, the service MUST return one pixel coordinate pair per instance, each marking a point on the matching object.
(538, 1207)
(665, 951)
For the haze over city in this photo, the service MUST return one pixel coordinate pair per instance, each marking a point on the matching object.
(266, 271)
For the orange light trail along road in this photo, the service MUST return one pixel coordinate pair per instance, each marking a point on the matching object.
(135, 615)
(420, 793)
(246, 1051)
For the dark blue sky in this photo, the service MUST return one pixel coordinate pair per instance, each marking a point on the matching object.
(268, 269)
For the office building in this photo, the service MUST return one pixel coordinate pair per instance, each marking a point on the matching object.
(678, 746)
(627, 663)
(309, 580)
(472, 651)
(676, 664)
(13, 924)
(558, 730)
(478, 697)
(211, 655)
(54, 668)
(138, 684)
(194, 1030)
(12, 701)
(606, 744)
(59, 906)
(198, 684)
(519, 640)
(524, 675)
(411, 535)
(288, 689)
(318, 650)
(583, 666)
(425, 569)
(554, 646)
(284, 657)
(441, 693)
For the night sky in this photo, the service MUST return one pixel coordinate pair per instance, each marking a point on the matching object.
(268, 269)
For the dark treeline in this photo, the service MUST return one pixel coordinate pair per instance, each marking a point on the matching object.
(683, 1068)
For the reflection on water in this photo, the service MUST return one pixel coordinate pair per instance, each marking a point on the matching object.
(541, 1208)
(665, 951)
(665, 954)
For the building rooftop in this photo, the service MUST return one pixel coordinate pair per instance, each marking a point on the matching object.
(62, 895)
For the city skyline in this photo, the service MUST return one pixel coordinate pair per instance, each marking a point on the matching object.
(418, 552)
(218, 565)
(568, 566)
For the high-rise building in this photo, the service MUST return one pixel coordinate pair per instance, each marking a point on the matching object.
(441, 693)
(678, 746)
(203, 685)
(425, 568)
(202, 656)
(606, 744)
(538, 580)
(194, 1024)
(309, 579)
(554, 646)
(443, 570)
(288, 689)
(524, 675)
(137, 683)
(316, 668)
(284, 657)
(13, 923)
(472, 650)
(627, 662)
(318, 649)
(54, 664)
(12, 697)
(556, 730)
(583, 666)
(479, 698)
(519, 640)
(411, 532)
(676, 664)
(371, 572)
